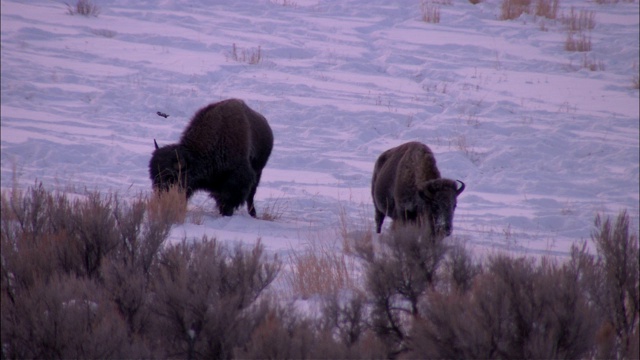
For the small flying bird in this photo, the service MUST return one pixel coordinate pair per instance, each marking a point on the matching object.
(162, 114)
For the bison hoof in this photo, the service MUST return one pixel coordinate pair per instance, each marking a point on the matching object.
(226, 211)
(252, 211)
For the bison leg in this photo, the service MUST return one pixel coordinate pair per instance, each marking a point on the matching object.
(234, 191)
(252, 193)
(379, 220)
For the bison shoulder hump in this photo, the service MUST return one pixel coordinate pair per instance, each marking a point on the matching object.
(218, 126)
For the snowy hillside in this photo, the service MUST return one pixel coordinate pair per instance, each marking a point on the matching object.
(543, 137)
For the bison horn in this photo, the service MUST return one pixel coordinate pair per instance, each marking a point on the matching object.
(461, 189)
(155, 143)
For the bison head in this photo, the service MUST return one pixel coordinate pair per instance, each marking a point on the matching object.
(440, 197)
(168, 166)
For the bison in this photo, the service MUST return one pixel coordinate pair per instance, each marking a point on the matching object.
(407, 187)
(223, 151)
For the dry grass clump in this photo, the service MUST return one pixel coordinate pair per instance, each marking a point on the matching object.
(512, 9)
(591, 64)
(580, 42)
(430, 12)
(274, 209)
(83, 7)
(579, 24)
(579, 21)
(321, 269)
(327, 267)
(169, 206)
(547, 8)
(251, 56)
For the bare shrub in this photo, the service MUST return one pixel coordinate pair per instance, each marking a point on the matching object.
(64, 317)
(611, 279)
(547, 8)
(201, 289)
(251, 56)
(72, 237)
(128, 288)
(284, 335)
(430, 12)
(514, 310)
(398, 275)
(28, 253)
(346, 317)
(126, 273)
(141, 234)
(83, 7)
(95, 233)
(461, 269)
(85, 248)
(512, 9)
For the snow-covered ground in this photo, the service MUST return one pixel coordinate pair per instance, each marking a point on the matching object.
(542, 143)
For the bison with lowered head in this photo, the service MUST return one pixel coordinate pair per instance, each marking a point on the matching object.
(223, 151)
(407, 187)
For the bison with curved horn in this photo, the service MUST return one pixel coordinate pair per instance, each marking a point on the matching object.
(223, 151)
(407, 187)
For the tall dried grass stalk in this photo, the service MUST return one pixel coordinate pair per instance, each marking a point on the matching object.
(430, 12)
(251, 57)
(168, 206)
(581, 20)
(321, 269)
(547, 8)
(591, 64)
(512, 9)
(274, 209)
(580, 43)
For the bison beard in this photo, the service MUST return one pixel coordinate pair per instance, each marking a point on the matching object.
(406, 186)
(222, 151)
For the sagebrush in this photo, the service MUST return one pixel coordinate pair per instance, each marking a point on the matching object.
(93, 276)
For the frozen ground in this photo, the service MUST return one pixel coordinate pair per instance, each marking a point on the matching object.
(542, 143)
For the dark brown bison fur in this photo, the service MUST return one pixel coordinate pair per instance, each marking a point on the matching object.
(407, 187)
(223, 151)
